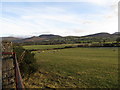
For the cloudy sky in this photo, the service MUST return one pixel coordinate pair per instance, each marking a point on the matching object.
(76, 17)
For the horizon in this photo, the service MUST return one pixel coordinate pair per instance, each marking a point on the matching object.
(21, 19)
(56, 34)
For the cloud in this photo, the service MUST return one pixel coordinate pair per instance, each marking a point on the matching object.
(36, 20)
(103, 2)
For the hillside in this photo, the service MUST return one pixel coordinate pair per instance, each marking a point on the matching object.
(11, 38)
(99, 35)
(33, 39)
(56, 39)
(49, 36)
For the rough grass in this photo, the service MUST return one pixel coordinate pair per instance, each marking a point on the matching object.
(76, 67)
(47, 46)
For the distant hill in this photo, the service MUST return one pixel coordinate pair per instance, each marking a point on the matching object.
(116, 33)
(40, 38)
(98, 35)
(33, 39)
(50, 38)
(11, 38)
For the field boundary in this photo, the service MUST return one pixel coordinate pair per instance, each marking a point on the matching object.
(72, 47)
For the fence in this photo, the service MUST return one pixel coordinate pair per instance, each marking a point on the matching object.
(18, 78)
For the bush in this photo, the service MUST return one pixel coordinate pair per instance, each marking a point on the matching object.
(68, 46)
(28, 64)
(118, 40)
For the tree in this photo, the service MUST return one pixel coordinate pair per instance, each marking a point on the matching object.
(118, 40)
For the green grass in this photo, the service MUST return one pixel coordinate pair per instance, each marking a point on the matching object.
(47, 46)
(76, 67)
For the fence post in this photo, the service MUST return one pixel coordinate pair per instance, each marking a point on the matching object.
(18, 78)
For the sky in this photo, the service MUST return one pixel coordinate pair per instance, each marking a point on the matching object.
(66, 17)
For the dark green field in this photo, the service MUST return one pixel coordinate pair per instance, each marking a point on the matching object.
(75, 67)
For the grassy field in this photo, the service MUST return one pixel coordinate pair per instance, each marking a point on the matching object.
(75, 67)
(47, 46)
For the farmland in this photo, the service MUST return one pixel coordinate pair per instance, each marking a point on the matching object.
(29, 47)
(74, 67)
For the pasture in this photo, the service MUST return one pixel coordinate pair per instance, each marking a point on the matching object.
(75, 68)
(29, 47)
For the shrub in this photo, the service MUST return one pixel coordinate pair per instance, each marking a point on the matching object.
(118, 40)
(68, 47)
(28, 64)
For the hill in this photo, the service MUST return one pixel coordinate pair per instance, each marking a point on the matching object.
(33, 39)
(99, 35)
(11, 38)
(56, 39)
(49, 36)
